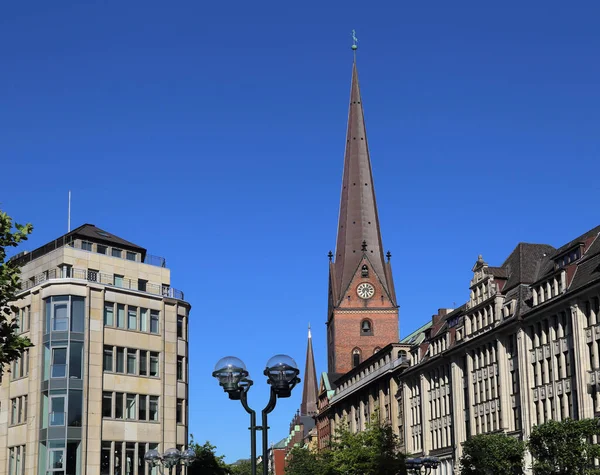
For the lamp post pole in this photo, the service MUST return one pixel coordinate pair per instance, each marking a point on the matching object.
(282, 375)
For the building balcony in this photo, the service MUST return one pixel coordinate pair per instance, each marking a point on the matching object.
(113, 280)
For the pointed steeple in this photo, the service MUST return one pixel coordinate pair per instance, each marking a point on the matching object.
(358, 231)
(310, 390)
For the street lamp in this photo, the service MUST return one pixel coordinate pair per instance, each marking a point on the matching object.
(282, 375)
(414, 465)
(169, 459)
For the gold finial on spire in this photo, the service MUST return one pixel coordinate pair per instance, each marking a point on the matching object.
(354, 41)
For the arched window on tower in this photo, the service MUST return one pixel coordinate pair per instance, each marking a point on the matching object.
(366, 327)
(364, 272)
(356, 357)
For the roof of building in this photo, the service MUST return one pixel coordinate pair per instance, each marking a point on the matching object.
(99, 235)
(417, 336)
(358, 231)
(281, 444)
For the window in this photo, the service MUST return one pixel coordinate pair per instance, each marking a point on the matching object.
(366, 328)
(153, 363)
(143, 363)
(118, 280)
(75, 359)
(179, 326)
(22, 319)
(153, 408)
(116, 252)
(131, 361)
(131, 406)
(130, 256)
(109, 310)
(18, 414)
(143, 408)
(75, 411)
(119, 405)
(77, 314)
(86, 245)
(355, 357)
(131, 318)
(108, 358)
(180, 368)
(20, 366)
(180, 407)
(120, 360)
(100, 249)
(57, 410)
(120, 316)
(364, 271)
(56, 459)
(106, 404)
(142, 285)
(60, 322)
(105, 458)
(153, 321)
(143, 319)
(16, 460)
(59, 362)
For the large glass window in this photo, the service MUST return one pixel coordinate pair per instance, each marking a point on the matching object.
(105, 458)
(59, 362)
(143, 363)
(131, 256)
(120, 360)
(131, 361)
(180, 407)
(57, 410)
(132, 318)
(153, 363)
(108, 358)
(179, 326)
(143, 408)
(121, 316)
(153, 408)
(119, 405)
(56, 460)
(131, 410)
(143, 319)
(180, 368)
(154, 321)
(77, 314)
(109, 310)
(73, 458)
(129, 458)
(116, 252)
(75, 408)
(60, 320)
(106, 404)
(75, 359)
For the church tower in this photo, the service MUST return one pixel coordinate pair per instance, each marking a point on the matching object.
(310, 389)
(362, 310)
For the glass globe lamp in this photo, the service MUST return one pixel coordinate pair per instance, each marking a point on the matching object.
(282, 373)
(230, 371)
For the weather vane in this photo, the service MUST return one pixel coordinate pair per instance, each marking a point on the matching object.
(354, 40)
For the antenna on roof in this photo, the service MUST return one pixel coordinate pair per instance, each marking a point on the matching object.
(69, 217)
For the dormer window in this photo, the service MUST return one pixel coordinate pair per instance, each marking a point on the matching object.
(364, 272)
(366, 328)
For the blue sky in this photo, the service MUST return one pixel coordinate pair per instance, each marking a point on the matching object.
(212, 133)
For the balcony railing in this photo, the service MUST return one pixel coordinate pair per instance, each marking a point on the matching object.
(105, 279)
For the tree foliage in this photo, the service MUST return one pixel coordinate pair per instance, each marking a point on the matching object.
(11, 344)
(496, 454)
(564, 447)
(207, 462)
(373, 451)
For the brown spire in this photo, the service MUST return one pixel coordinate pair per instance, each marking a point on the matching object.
(310, 390)
(358, 226)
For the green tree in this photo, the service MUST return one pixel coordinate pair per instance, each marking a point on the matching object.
(11, 345)
(564, 447)
(373, 451)
(303, 461)
(243, 467)
(207, 462)
(492, 454)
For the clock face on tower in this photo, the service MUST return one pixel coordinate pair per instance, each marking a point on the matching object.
(365, 290)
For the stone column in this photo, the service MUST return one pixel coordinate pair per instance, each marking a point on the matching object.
(458, 409)
(582, 363)
(471, 403)
(526, 381)
(426, 416)
(504, 385)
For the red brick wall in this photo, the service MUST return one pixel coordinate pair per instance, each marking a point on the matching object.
(346, 323)
(278, 461)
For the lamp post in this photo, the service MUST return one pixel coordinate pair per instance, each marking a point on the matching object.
(414, 465)
(282, 375)
(169, 459)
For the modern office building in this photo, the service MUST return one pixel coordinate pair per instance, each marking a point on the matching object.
(107, 377)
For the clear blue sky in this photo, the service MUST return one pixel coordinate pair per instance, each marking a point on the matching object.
(213, 133)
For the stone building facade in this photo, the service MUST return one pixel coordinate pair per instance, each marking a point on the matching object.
(523, 349)
(107, 377)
